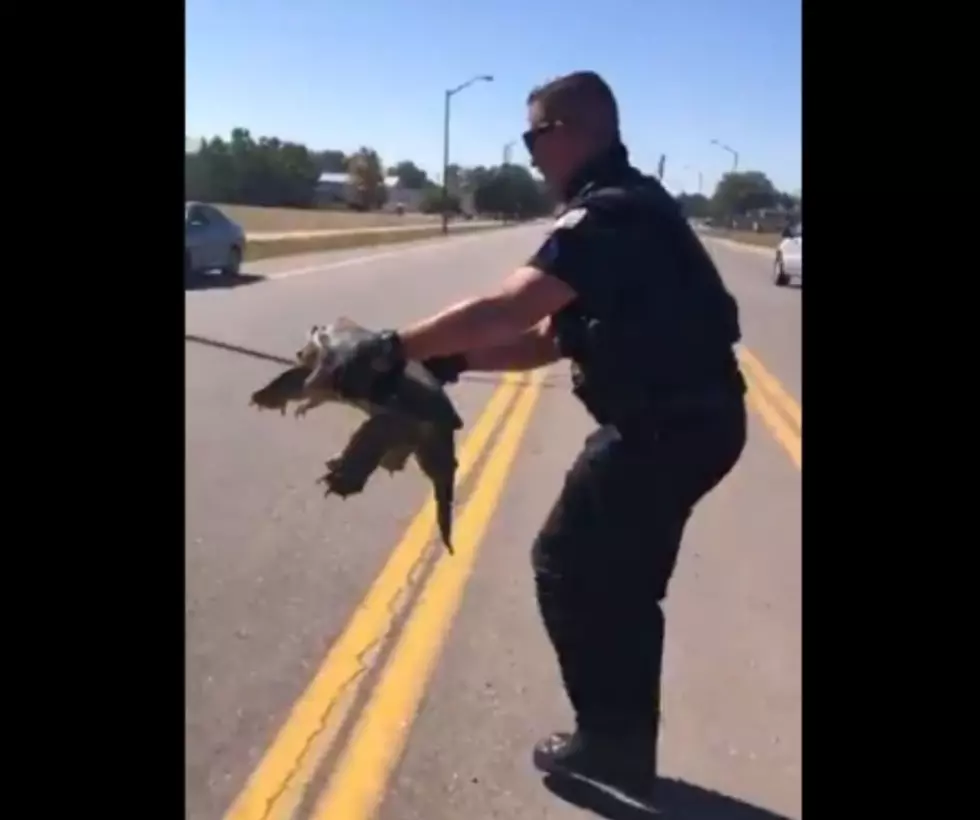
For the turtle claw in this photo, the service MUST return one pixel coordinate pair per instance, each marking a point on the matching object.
(302, 409)
(338, 482)
(325, 479)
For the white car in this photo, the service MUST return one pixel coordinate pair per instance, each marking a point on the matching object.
(211, 241)
(789, 257)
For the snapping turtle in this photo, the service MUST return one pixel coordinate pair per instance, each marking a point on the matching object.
(417, 418)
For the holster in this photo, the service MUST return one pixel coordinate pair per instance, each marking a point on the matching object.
(587, 393)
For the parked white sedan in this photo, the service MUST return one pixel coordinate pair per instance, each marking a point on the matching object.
(789, 257)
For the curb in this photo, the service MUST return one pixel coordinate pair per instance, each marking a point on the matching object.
(278, 237)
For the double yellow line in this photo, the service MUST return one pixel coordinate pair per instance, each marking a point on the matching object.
(365, 743)
(279, 785)
(778, 409)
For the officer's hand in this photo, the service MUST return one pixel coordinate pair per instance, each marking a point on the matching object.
(367, 369)
(446, 369)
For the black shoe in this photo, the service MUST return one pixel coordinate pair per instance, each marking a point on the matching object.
(624, 768)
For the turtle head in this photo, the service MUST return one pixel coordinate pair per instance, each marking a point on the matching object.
(309, 354)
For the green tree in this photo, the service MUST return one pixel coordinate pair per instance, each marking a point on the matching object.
(737, 193)
(509, 192)
(246, 171)
(367, 178)
(330, 162)
(297, 174)
(696, 206)
(214, 173)
(432, 201)
(409, 175)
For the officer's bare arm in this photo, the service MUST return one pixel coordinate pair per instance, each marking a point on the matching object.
(526, 297)
(533, 348)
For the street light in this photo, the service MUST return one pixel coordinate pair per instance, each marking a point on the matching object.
(507, 147)
(487, 78)
(731, 151)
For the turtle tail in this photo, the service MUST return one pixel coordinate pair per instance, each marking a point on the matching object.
(436, 455)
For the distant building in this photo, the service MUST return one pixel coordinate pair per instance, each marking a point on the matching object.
(333, 189)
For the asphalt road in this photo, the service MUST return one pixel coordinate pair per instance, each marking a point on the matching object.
(321, 683)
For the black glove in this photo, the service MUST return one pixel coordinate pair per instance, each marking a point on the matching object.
(446, 368)
(368, 369)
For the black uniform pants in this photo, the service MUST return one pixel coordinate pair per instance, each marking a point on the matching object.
(605, 555)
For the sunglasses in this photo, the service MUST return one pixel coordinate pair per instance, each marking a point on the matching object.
(532, 135)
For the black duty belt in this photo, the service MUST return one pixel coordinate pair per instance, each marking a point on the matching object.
(667, 411)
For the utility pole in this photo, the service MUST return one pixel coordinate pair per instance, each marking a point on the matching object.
(487, 78)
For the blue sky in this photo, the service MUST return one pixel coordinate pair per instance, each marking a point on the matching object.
(336, 74)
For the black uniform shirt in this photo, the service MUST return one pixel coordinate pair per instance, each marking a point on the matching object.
(592, 241)
(624, 247)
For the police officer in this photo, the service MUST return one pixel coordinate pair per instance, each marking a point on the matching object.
(624, 289)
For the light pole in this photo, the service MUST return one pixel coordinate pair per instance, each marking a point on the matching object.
(488, 78)
(507, 147)
(731, 151)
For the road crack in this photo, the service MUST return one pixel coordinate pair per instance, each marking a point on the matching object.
(365, 659)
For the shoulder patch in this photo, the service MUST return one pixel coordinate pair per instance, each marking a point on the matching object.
(570, 219)
(548, 252)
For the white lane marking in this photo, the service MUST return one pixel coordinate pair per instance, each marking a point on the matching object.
(437, 244)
